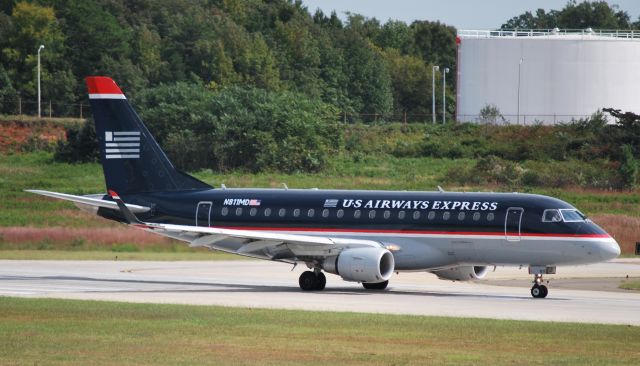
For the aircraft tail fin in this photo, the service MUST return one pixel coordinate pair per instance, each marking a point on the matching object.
(132, 160)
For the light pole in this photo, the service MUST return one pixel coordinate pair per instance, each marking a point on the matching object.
(444, 94)
(39, 110)
(519, 67)
(434, 69)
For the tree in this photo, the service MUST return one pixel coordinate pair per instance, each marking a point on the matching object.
(628, 167)
(31, 25)
(369, 84)
(435, 43)
(490, 114)
(396, 34)
(238, 128)
(583, 15)
(541, 20)
(411, 83)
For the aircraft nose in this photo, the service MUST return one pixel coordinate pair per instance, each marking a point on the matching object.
(609, 249)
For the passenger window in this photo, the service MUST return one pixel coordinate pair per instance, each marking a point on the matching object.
(387, 214)
(551, 216)
(356, 214)
(325, 213)
(446, 215)
(224, 211)
(238, 211)
(253, 211)
(461, 216)
(339, 214)
(372, 214)
(267, 212)
(476, 216)
(282, 212)
(296, 212)
(416, 215)
(401, 215)
(490, 216)
(311, 212)
(431, 215)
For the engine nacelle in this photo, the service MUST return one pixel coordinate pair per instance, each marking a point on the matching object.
(361, 264)
(462, 273)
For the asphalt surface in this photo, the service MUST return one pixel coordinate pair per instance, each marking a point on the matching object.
(262, 284)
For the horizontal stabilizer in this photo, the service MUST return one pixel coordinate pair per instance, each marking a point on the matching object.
(91, 201)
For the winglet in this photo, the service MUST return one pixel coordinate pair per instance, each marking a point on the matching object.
(128, 215)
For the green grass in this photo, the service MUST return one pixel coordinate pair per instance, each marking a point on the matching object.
(68, 332)
(110, 255)
(631, 285)
(39, 171)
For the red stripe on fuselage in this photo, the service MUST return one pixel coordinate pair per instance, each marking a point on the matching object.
(422, 232)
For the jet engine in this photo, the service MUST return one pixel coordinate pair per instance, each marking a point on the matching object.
(462, 273)
(361, 264)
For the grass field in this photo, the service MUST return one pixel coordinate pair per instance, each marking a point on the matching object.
(630, 285)
(617, 211)
(67, 332)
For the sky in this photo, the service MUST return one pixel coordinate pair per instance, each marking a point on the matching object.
(462, 14)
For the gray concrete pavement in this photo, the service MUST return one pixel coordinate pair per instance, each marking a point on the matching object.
(273, 285)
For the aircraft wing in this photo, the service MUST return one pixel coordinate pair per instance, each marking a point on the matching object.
(254, 243)
(89, 200)
(258, 243)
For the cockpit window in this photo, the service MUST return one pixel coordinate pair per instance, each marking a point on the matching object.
(572, 215)
(551, 216)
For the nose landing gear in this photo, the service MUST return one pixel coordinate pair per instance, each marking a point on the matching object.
(539, 291)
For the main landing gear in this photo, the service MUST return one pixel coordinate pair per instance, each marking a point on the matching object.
(312, 280)
(315, 281)
(539, 291)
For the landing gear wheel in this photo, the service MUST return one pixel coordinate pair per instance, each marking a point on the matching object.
(311, 281)
(307, 281)
(321, 281)
(535, 291)
(375, 285)
(543, 291)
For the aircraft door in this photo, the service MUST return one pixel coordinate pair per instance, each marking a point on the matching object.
(513, 223)
(203, 214)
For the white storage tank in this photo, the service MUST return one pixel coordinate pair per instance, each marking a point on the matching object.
(547, 76)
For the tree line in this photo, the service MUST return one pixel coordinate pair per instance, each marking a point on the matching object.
(208, 74)
(359, 65)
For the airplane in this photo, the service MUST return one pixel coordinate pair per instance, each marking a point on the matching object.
(360, 235)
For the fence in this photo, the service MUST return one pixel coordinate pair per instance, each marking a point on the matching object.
(49, 109)
(523, 119)
(506, 119)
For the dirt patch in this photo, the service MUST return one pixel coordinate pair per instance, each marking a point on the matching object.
(625, 229)
(21, 136)
(63, 237)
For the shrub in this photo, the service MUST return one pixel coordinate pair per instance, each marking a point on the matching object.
(81, 145)
(628, 167)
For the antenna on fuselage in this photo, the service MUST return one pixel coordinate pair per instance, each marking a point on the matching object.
(440, 189)
(223, 186)
(284, 185)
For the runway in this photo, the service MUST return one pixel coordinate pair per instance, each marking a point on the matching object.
(263, 284)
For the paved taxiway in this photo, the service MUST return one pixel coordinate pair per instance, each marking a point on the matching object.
(273, 285)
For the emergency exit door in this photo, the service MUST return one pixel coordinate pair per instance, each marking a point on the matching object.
(203, 214)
